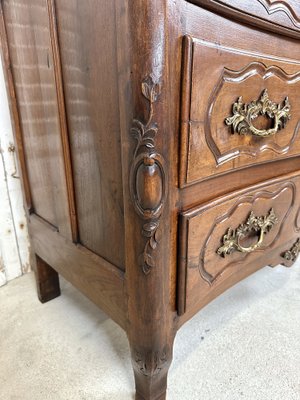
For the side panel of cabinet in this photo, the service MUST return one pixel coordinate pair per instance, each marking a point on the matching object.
(40, 101)
(32, 66)
(87, 38)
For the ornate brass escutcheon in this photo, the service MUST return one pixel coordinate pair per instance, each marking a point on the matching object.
(232, 239)
(244, 115)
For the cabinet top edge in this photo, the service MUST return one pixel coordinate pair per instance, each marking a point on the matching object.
(228, 11)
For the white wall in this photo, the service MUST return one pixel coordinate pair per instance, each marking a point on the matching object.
(14, 242)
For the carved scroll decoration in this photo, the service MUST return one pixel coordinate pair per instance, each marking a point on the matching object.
(244, 114)
(231, 240)
(292, 254)
(148, 181)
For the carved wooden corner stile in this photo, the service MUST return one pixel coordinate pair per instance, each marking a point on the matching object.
(148, 184)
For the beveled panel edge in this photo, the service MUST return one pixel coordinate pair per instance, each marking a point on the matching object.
(240, 51)
(297, 226)
(247, 19)
(239, 192)
(64, 131)
(281, 7)
(186, 92)
(282, 167)
(184, 218)
(250, 70)
(182, 264)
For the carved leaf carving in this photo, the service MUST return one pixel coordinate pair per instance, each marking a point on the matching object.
(145, 153)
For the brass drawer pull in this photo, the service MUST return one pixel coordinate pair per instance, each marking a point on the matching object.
(231, 240)
(244, 114)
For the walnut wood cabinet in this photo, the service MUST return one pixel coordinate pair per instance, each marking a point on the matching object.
(159, 148)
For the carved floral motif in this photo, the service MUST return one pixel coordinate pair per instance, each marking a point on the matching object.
(147, 177)
(145, 133)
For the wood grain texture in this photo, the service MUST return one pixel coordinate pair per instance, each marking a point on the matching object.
(272, 15)
(282, 12)
(88, 45)
(150, 307)
(28, 33)
(14, 110)
(216, 186)
(47, 281)
(100, 281)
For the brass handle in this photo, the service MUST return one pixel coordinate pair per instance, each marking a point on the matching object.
(231, 240)
(244, 114)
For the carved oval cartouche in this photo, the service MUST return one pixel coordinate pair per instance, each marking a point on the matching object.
(149, 185)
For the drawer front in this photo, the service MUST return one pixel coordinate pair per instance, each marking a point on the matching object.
(228, 239)
(239, 108)
(282, 12)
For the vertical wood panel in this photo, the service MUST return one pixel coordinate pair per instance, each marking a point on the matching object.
(88, 46)
(27, 26)
(18, 133)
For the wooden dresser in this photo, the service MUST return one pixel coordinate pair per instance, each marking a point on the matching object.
(159, 146)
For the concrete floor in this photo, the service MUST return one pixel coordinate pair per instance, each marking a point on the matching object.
(243, 346)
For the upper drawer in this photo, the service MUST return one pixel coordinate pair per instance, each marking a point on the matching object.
(239, 108)
(282, 12)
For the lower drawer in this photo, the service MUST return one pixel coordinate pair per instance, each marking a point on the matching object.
(224, 241)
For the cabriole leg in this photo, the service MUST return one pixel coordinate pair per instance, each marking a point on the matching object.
(151, 367)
